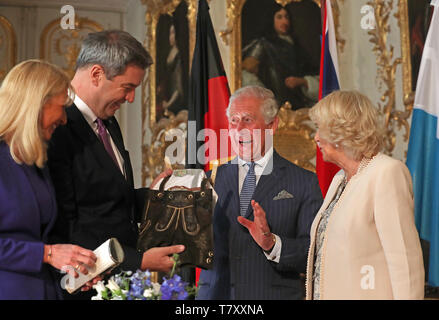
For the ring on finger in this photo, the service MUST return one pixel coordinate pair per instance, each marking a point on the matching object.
(77, 266)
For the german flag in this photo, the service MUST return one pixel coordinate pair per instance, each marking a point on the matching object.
(208, 98)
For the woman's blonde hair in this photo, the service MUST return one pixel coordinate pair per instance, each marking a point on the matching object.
(349, 119)
(25, 90)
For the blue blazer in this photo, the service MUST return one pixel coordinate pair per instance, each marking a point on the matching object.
(240, 269)
(23, 275)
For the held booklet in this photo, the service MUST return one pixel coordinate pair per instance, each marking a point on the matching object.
(109, 255)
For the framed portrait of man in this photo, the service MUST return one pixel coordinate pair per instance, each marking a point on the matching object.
(277, 45)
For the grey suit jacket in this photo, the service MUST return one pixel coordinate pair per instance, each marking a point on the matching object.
(241, 270)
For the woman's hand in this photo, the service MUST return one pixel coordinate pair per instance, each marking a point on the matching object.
(69, 257)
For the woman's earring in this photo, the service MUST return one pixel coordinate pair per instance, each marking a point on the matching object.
(336, 145)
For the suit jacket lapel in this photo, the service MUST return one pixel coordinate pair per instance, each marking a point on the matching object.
(267, 181)
(232, 178)
(116, 135)
(80, 126)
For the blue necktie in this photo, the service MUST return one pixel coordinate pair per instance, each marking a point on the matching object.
(248, 188)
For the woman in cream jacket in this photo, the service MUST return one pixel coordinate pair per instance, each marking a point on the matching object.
(364, 243)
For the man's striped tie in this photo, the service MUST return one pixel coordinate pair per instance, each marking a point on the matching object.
(248, 188)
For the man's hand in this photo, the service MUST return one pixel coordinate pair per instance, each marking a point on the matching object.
(160, 259)
(89, 285)
(258, 228)
(293, 82)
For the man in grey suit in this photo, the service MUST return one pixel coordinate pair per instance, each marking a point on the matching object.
(264, 212)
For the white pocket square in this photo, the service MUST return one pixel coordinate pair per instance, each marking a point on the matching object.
(283, 195)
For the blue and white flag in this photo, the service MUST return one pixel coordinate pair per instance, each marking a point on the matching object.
(423, 150)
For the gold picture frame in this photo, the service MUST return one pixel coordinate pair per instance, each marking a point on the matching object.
(8, 47)
(155, 9)
(407, 24)
(153, 148)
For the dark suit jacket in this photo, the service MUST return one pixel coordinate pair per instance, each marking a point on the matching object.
(95, 201)
(23, 275)
(241, 270)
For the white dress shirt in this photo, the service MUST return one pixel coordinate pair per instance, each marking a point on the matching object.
(90, 117)
(260, 166)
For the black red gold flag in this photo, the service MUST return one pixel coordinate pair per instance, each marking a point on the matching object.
(208, 97)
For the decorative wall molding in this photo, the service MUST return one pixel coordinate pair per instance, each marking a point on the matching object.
(94, 5)
(409, 95)
(62, 47)
(387, 64)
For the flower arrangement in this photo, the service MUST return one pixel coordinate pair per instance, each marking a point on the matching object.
(138, 286)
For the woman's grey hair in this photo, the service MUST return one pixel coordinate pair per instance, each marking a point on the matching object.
(114, 50)
(269, 106)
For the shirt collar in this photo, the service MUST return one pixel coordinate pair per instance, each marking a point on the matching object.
(262, 162)
(88, 114)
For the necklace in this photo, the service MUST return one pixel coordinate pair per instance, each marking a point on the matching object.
(363, 164)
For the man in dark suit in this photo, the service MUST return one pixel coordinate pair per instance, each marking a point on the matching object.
(88, 162)
(259, 254)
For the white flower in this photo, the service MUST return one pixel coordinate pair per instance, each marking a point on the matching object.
(148, 293)
(97, 297)
(156, 287)
(99, 287)
(112, 285)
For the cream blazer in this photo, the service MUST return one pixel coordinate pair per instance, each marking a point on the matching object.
(371, 248)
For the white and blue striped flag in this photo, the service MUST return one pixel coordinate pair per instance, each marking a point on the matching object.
(423, 150)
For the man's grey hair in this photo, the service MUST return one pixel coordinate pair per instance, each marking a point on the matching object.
(113, 50)
(269, 106)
